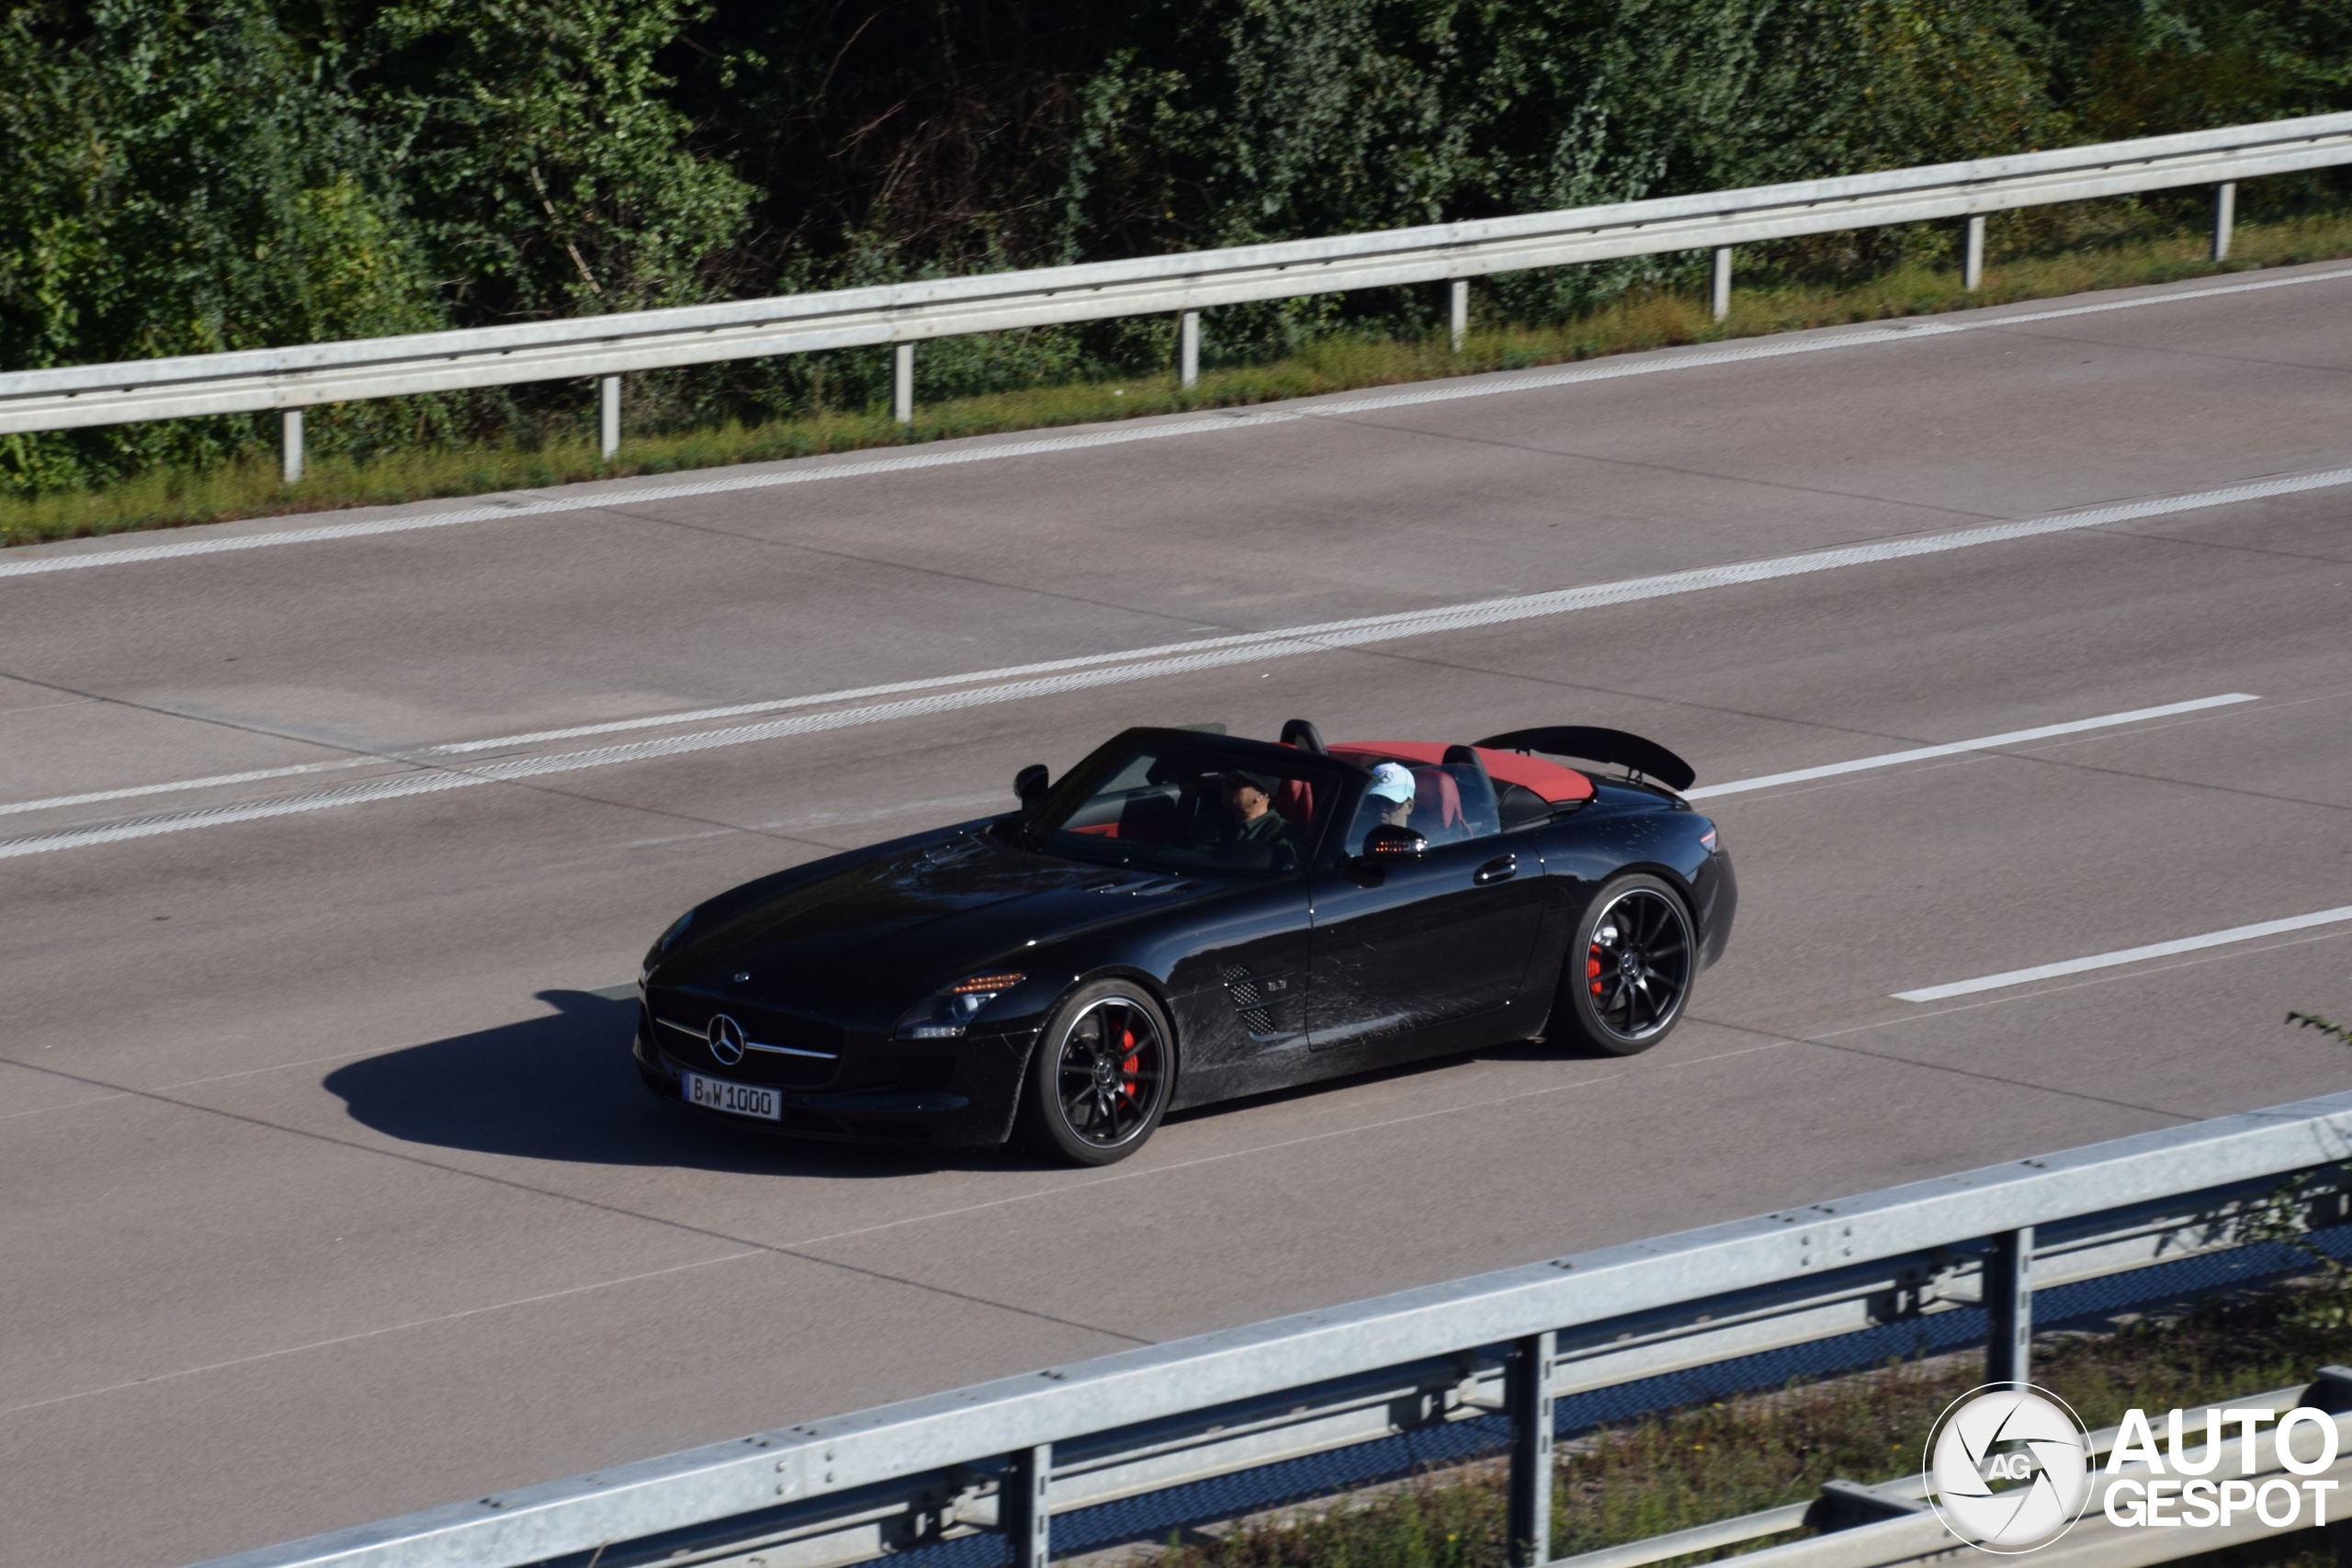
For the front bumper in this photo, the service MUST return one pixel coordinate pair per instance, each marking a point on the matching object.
(950, 1094)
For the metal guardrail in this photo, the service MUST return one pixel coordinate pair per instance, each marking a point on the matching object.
(904, 313)
(1008, 1455)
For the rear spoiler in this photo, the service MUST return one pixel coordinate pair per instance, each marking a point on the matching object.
(1644, 758)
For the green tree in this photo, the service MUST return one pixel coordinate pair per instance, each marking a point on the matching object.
(178, 178)
(547, 171)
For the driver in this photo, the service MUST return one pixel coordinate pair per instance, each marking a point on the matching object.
(1253, 832)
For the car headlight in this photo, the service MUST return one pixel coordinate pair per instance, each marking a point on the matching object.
(947, 1012)
(677, 929)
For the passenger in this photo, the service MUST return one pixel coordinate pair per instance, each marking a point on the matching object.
(1387, 803)
(1392, 788)
(1254, 832)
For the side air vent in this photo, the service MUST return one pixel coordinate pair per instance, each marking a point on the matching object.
(1249, 998)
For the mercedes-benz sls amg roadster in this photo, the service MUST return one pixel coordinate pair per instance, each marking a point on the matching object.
(1188, 916)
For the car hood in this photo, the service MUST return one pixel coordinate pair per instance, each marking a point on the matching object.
(879, 934)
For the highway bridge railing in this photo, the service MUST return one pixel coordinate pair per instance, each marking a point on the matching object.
(1005, 1458)
(610, 346)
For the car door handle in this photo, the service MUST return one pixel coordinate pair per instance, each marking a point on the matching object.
(1502, 868)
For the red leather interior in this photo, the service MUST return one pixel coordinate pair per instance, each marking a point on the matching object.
(1556, 783)
(1437, 801)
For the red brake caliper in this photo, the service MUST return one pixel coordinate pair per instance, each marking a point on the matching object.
(1592, 968)
(1127, 1039)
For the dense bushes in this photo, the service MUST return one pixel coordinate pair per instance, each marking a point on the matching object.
(182, 176)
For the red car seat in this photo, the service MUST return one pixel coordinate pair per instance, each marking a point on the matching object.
(1294, 798)
(1437, 804)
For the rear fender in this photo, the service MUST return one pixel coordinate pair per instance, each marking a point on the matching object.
(1710, 896)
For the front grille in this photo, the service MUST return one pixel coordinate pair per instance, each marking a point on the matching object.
(804, 1052)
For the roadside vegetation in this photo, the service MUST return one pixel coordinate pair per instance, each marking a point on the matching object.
(222, 174)
(1699, 1464)
(248, 485)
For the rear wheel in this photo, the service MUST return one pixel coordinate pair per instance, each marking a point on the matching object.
(1099, 1082)
(1630, 970)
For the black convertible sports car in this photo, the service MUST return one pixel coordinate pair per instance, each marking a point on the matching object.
(1186, 917)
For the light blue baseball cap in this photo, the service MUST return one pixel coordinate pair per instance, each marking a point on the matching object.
(1392, 781)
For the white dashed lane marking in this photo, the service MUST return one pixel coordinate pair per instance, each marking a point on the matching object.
(1958, 748)
(2127, 956)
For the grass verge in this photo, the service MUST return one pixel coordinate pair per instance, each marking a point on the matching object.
(251, 487)
(1699, 1464)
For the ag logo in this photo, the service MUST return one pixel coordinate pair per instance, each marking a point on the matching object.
(2009, 1468)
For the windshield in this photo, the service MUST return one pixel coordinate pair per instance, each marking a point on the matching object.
(1168, 806)
(1444, 802)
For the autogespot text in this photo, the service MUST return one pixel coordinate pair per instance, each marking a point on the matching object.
(2178, 1488)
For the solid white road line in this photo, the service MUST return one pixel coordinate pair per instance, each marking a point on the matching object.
(857, 694)
(1251, 647)
(1482, 386)
(256, 776)
(1254, 640)
(1955, 748)
(2127, 956)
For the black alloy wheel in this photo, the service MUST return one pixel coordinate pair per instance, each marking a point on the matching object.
(1100, 1080)
(1630, 970)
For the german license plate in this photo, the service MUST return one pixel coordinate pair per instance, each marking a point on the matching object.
(738, 1098)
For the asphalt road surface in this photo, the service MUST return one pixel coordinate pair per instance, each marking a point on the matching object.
(327, 1190)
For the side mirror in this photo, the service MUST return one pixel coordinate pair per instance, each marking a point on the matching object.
(1029, 785)
(1390, 843)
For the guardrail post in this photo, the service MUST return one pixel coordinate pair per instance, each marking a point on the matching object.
(1528, 1398)
(2331, 1391)
(1971, 261)
(1021, 1510)
(1188, 348)
(1722, 281)
(289, 444)
(1458, 311)
(2225, 217)
(608, 414)
(2008, 1308)
(902, 383)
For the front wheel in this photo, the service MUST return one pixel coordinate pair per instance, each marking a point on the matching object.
(1630, 970)
(1100, 1080)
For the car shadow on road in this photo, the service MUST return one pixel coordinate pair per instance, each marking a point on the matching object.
(563, 1088)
